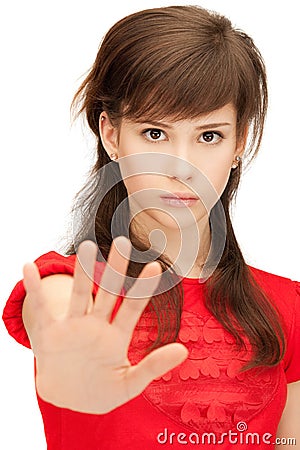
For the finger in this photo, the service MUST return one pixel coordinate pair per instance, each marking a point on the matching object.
(154, 365)
(83, 278)
(113, 277)
(137, 299)
(33, 287)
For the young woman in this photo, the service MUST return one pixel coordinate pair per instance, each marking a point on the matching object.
(152, 330)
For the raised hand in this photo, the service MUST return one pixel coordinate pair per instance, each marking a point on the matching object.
(82, 361)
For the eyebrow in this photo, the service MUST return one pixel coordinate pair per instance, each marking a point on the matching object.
(201, 127)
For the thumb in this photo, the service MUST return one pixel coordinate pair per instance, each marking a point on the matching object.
(156, 364)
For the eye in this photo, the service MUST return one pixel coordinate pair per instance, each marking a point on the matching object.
(154, 134)
(210, 137)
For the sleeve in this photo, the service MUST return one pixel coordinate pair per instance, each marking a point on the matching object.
(48, 264)
(292, 355)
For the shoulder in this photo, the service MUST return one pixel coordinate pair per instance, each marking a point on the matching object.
(270, 280)
(283, 292)
(284, 295)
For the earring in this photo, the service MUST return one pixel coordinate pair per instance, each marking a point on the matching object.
(113, 156)
(238, 159)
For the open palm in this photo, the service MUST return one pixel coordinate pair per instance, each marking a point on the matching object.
(82, 361)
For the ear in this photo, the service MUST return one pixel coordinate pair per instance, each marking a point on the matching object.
(108, 134)
(241, 143)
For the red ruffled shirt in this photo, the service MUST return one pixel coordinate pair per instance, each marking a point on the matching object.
(204, 402)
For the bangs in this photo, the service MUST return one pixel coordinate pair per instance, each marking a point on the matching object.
(181, 86)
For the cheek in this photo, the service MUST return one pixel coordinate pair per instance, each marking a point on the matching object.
(128, 144)
(131, 185)
(218, 169)
(139, 185)
(219, 178)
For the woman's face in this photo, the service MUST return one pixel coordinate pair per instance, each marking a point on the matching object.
(193, 157)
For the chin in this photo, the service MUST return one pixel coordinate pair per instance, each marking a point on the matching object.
(175, 222)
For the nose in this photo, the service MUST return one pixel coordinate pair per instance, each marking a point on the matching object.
(180, 170)
(181, 178)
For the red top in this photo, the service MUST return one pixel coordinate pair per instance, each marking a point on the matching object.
(204, 401)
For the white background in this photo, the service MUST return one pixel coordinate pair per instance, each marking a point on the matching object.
(46, 49)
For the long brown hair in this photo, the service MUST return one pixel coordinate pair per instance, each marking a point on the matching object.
(180, 62)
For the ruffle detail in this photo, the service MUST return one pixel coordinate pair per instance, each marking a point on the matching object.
(208, 391)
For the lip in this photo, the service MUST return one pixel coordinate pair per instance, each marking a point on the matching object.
(179, 200)
(180, 196)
